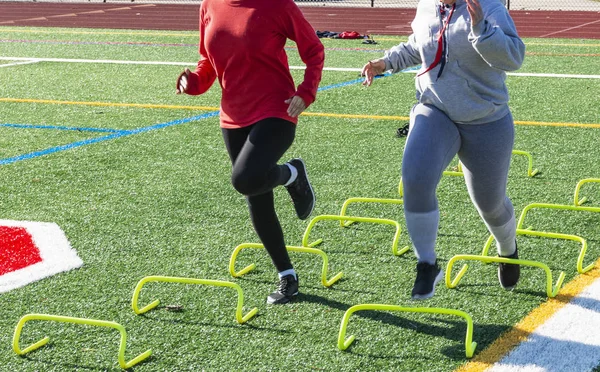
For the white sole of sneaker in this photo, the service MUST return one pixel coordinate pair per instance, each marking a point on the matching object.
(273, 302)
(430, 294)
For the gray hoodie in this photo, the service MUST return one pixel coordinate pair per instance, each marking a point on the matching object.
(471, 89)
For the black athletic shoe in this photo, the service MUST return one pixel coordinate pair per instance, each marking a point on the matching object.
(301, 191)
(286, 290)
(509, 274)
(427, 277)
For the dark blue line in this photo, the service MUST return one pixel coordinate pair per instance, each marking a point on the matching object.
(351, 82)
(123, 133)
(356, 81)
(174, 122)
(339, 85)
(79, 129)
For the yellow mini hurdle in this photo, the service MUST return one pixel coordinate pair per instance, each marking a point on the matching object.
(553, 206)
(530, 171)
(85, 321)
(543, 234)
(521, 231)
(576, 199)
(323, 217)
(550, 291)
(343, 343)
(324, 280)
(170, 279)
(364, 200)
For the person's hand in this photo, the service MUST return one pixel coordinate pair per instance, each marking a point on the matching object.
(474, 8)
(182, 81)
(296, 106)
(372, 69)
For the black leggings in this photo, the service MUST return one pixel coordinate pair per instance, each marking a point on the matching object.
(254, 151)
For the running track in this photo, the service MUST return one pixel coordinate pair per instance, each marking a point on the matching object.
(544, 24)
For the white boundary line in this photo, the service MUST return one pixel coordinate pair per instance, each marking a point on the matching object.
(574, 76)
(567, 341)
(343, 69)
(20, 63)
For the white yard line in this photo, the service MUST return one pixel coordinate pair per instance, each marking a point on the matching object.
(573, 76)
(342, 69)
(19, 63)
(568, 341)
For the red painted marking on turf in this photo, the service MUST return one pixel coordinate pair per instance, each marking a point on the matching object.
(17, 249)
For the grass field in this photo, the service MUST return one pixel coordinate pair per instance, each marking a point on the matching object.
(156, 200)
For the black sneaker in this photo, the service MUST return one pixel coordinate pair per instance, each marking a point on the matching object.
(427, 277)
(286, 290)
(301, 191)
(509, 274)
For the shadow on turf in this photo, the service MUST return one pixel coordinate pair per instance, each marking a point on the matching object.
(482, 334)
(438, 327)
(232, 325)
(77, 367)
(455, 333)
(306, 284)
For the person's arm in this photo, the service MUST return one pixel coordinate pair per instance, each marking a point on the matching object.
(396, 59)
(310, 49)
(402, 56)
(203, 78)
(494, 37)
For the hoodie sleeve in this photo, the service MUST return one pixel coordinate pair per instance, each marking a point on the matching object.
(495, 38)
(402, 56)
(204, 76)
(310, 48)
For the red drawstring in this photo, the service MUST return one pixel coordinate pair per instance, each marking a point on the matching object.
(439, 52)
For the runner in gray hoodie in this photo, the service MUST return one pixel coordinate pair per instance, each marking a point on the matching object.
(465, 48)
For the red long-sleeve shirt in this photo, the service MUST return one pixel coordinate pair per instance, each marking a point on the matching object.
(242, 43)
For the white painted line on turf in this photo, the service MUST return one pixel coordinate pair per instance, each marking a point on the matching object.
(567, 341)
(573, 76)
(19, 63)
(341, 69)
(109, 61)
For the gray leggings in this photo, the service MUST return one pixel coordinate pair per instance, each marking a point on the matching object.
(485, 152)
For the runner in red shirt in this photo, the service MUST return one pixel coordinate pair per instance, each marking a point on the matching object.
(242, 44)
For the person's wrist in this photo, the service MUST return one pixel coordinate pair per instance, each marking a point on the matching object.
(379, 64)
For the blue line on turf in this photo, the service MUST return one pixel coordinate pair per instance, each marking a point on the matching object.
(346, 83)
(118, 134)
(356, 81)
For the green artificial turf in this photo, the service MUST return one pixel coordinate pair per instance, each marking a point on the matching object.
(160, 203)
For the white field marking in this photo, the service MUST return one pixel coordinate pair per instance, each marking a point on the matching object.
(570, 28)
(574, 76)
(568, 341)
(344, 69)
(55, 250)
(19, 63)
(110, 61)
